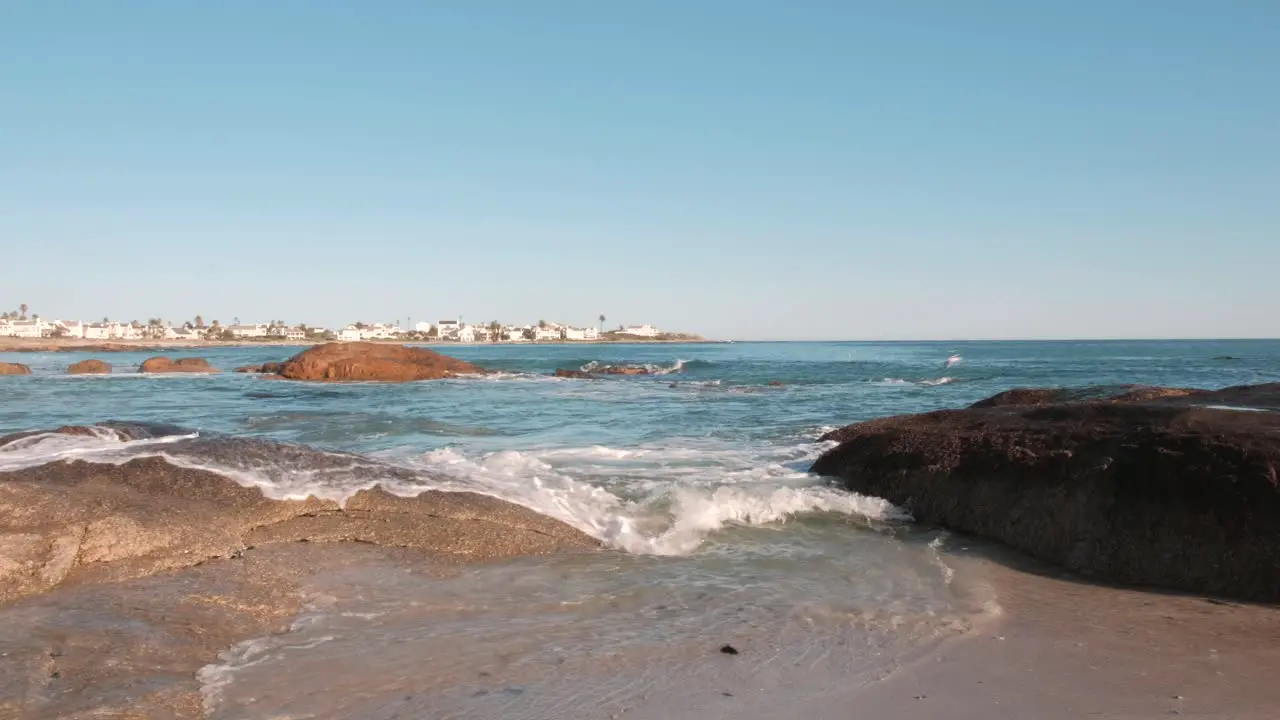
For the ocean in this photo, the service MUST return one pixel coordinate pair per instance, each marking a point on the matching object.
(694, 477)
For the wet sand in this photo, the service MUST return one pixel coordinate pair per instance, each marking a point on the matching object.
(1058, 648)
(1064, 648)
(132, 649)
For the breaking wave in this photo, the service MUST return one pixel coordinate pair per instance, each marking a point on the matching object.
(663, 500)
(679, 366)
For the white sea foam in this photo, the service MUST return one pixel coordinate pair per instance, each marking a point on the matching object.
(652, 499)
(939, 381)
(103, 446)
(652, 369)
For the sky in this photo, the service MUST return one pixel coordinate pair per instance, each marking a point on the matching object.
(743, 169)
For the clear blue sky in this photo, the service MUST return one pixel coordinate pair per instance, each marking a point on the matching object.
(739, 168)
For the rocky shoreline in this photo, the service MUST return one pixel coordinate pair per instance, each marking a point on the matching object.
(65, 523)
(162, 567)
(1160, 487)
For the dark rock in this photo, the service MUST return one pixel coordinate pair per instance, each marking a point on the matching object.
(623, 370)
(1045, 396)
(576, 374)
(366, 361)
(1152, 486)
(89, 367)
(729, 650)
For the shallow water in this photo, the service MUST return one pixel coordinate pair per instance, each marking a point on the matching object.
(695, 478)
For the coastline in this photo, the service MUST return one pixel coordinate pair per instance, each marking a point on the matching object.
(10, 344)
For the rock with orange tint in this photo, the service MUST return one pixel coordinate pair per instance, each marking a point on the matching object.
(363, 361)
(163, 364)
(271, 368)
(89, 367)
(14, 369)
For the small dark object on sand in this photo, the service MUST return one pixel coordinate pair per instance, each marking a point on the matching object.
(1226, 357)
(775, 383)
(729, 650)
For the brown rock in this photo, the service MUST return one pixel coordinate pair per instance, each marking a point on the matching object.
(623, 370)
(163, 364)
(89, 367)
(1150, 487)
(14, 369)
(577, 374)
(1046, 396)
(271, 368)
(71, 522)
(363, 361)
(775, 383)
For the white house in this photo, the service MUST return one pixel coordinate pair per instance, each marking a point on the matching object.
(295, 333)
(640, 331)
(514, 334)
(466, 334)
(380, 331)
(573, 333)
(350, 333)
(422, 327)
(126, 331)
(70, 328)
(543, 334)
(27, 328)
(99, 331)
(448, 329)
(181, 333)
(248, 331)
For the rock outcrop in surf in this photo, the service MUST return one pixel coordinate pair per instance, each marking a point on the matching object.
(89, 367)
(66, 522)
(270, 368)
(365, 361)
(14, 369)
(1150, 486)
(162, 364)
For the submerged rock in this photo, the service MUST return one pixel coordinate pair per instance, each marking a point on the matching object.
(577, 374)
(594, 371)
(373, 361)
(14, 369)
(162, 364)
(71, 522)
(89, 367)
(1151, 486)
(623, 370)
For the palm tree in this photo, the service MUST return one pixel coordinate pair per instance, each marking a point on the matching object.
(199, 321)
(236, 320)
(542, 324)
(602, 319)
(23, 308)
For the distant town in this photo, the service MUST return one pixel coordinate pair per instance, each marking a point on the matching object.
(20, 324)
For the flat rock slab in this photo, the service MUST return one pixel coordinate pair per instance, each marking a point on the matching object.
(68, 522)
